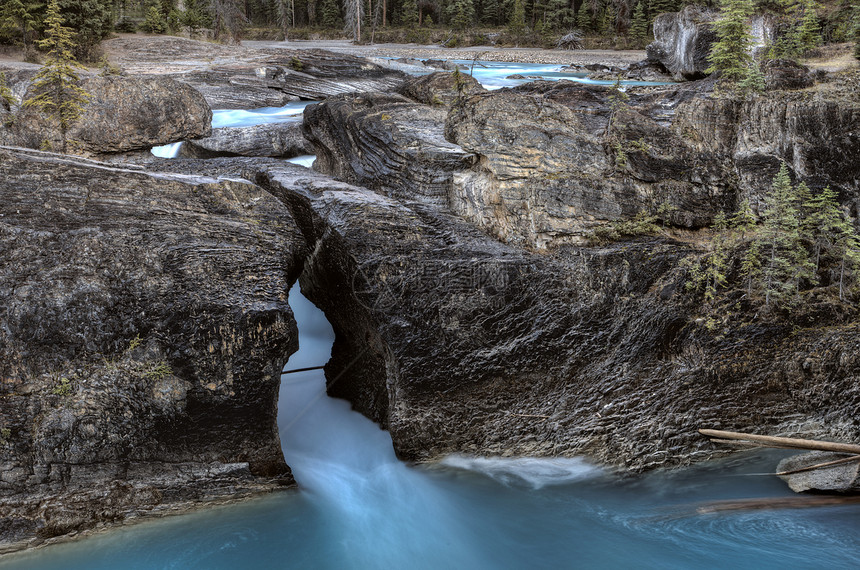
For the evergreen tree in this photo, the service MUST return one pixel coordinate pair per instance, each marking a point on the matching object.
(639, 23)
(330, 17)
(517, 23)
(785, 261)
(461, 14)
(196, 16)
(731, 54)
(91, 20)
(743, 220)
(809, 30)
(5, 93)
(822, 225)
(583, 18)
(856, 33)
(55, 87)
(17, 20)
(408, 13)
(155, 22)
(353, 18)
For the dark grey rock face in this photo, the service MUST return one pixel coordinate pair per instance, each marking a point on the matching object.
(459, 343)
(385, 142)
(682, 41)
(532, 166)
(142, 334)
(440, 88)
(839, 478)
(123, 114)
(305, 74)
(816, 137)
(280, 140)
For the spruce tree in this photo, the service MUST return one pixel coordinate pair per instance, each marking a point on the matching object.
(809, 30)
(731, 54)
(55, 87)
(583, 18)
(330, 14)
(17, 20)
(461, 14)
(408, 13)
(786, 261)
(6, 94)
(639, 23)
(517, 23)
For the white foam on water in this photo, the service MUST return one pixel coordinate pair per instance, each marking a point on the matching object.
(534, 472)
(167, 151)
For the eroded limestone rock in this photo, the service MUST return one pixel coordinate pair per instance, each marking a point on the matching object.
(142, 334)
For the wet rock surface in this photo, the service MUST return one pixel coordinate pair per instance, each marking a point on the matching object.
(682, 41)
(142, 335)
(284, 140)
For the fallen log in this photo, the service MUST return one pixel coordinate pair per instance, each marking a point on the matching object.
(790, 442)
(820, 465)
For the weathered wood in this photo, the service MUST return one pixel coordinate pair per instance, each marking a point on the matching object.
(749, 444)
(770, 503)
(820, 465)
(790, 442)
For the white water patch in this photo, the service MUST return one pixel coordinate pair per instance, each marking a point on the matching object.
(250, 117)
(306, 160)
(534, 472)
(167, 151)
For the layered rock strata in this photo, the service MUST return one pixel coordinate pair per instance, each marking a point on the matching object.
(459, 343)
(279, 140)
(142, 335)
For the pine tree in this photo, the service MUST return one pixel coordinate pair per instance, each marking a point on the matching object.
(639, 23)
(822, 224)
(731, 54)
(6, 94)
(155, 22)
(744, 219)
(856, 33)
(16, 19)
(195, 16)
(330, 17)
(786, 261)
(809, 30)
(517, 23)
(408, 13)
(90, 20)
(55, 87)
(583, 18)
(461, 14)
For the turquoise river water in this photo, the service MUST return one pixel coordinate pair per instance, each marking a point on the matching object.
(358, 507)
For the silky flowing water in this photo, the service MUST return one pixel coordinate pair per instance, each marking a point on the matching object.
(357, 506)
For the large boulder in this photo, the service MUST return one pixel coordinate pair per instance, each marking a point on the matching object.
(441, 88)
(281, 140)
(122, 114)
(682, 41)
(551, 168)
(385, 142)
(840, 477)
(142, 334)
